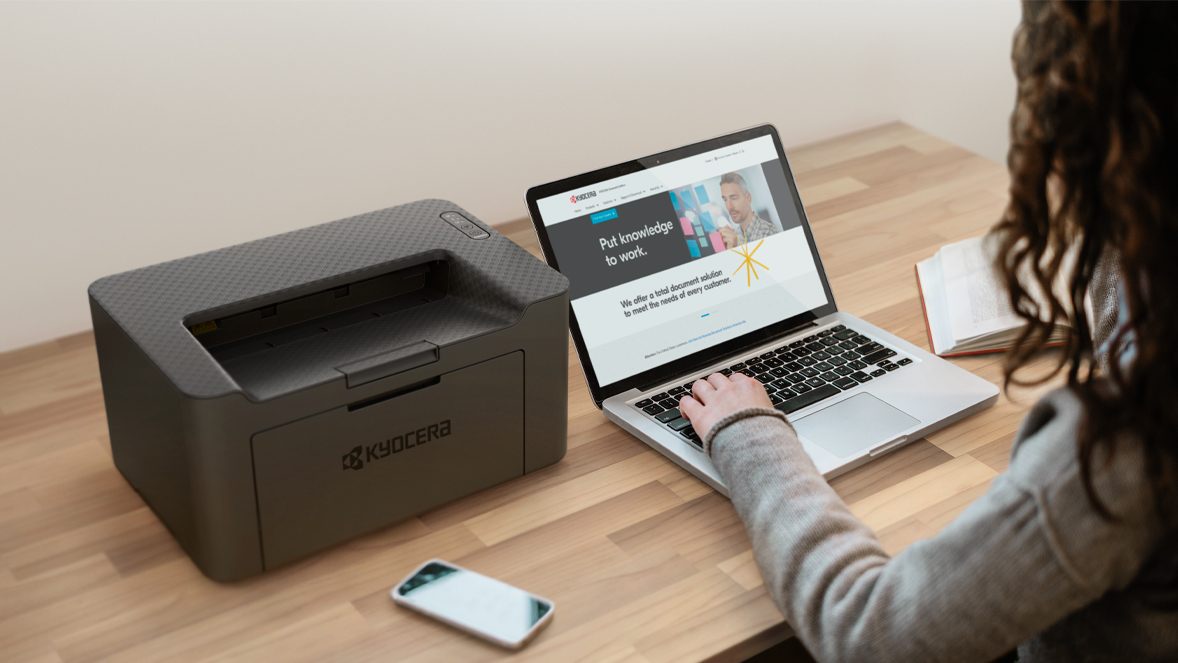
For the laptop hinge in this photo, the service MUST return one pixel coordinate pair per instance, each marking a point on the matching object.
(789, 332)
(793, 330)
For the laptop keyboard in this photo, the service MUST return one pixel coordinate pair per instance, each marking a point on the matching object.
(797, 374)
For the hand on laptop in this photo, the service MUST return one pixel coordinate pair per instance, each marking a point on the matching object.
(718, 396)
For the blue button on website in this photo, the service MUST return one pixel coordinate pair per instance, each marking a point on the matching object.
(608, 215)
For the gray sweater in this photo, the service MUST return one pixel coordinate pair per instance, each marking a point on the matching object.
(1029, 565)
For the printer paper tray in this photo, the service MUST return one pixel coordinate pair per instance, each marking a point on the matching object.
(344, 472)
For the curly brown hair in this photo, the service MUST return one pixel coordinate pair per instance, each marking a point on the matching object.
(1094, 168)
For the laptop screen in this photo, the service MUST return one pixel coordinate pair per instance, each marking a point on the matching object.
(679, 257)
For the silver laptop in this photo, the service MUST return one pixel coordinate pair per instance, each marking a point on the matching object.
(700, 259)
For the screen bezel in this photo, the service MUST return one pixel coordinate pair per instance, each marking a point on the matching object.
(665, 372)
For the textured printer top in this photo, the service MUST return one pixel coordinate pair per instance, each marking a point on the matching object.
(497, 279)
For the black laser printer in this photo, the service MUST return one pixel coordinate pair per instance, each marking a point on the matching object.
(276, 397)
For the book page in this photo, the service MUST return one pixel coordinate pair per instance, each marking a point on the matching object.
(977, 301)
(932, 290)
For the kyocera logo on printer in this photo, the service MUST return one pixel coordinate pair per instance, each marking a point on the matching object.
(361, 455)
(577, 197)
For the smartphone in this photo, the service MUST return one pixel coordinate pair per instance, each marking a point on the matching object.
(494, 610)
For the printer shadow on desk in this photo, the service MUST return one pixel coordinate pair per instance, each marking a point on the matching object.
(274, 398)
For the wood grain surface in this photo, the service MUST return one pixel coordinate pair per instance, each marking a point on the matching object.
(643, 561)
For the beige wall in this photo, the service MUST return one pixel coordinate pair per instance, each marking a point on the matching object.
(136, 133)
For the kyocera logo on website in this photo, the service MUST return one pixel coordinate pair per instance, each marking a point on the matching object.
(578, 197)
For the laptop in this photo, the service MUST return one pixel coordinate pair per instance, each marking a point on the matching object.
(700, 260)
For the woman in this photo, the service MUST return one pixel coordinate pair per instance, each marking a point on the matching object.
(1072, 553)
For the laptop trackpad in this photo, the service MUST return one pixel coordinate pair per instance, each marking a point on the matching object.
(852, 426)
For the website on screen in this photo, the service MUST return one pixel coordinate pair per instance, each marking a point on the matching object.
(676, 258)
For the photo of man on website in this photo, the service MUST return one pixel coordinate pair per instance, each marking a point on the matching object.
(738, 201)
(727, 211)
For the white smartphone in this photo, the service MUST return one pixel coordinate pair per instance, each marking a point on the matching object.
(494, 610)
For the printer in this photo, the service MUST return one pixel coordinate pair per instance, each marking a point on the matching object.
(276, 397)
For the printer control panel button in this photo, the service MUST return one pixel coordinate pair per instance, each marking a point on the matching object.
(468, 227)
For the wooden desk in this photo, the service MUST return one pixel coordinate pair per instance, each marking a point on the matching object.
(643, 561)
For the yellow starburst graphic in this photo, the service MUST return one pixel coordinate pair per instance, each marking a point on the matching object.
(748, 262)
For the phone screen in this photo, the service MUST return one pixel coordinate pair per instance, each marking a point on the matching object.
(482, 604)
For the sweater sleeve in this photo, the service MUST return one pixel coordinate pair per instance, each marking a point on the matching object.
(991, 579)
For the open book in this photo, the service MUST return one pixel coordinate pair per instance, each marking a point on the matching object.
(966, 307)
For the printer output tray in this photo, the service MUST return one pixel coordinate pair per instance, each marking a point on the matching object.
(333, 475)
